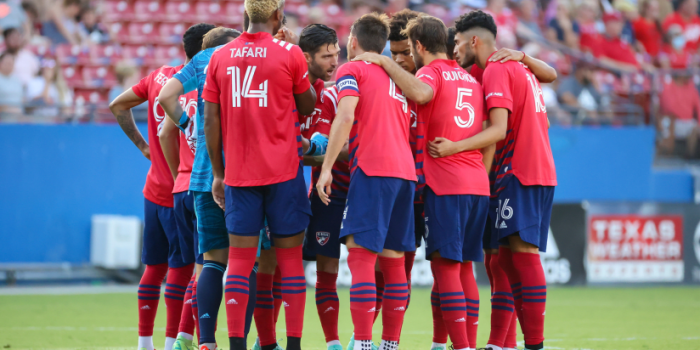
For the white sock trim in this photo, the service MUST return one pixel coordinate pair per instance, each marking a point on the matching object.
(185, 335)
(334, 342)
(210, 346)
(169, 342)
(146, 343)
(438, 345)
(494, 347)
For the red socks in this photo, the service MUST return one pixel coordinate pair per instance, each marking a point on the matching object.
(240, 263)
(471, 293)
(409, 257)
(439, 330)
(186, 319)
(534, 296)
(363, 291)
(452, 302)
(511, 338)
(291, 266)
(277, 292)
(502, 305)
(264, 312)
(379, 280)
(505, 261)
(149, 294)
(395, 297)
(327, 304)
(195, 309)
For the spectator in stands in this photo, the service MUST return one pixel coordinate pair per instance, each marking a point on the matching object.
(11, 96)
(48, 95)
(527, 19)
(629, 14)
(62, 28)
(679, 110)
(12, 16)
(562, 28)
(612, 50)
(647, 27)
(676, 54)
(580, 97)
(686, 18)
(127, 76)
(93, 31)
(26, 62)
(589, 28)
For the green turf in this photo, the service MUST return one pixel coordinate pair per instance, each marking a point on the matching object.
(577, 318)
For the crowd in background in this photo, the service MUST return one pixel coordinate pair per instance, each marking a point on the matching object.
(620, 62)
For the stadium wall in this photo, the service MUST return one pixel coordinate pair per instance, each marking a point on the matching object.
(53, 178)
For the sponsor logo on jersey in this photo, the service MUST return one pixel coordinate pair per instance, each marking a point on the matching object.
(494, 94)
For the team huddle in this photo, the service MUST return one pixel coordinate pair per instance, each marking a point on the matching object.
(444, 143)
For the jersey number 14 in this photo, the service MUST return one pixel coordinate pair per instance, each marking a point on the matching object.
(239, 91)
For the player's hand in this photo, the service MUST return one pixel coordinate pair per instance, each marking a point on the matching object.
(441, 147)
(217, 190)
(323, 186)
(146, 152)
(504, 55)
(370, 57)
(287, 35)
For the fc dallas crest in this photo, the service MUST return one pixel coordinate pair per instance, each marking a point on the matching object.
(322, 237)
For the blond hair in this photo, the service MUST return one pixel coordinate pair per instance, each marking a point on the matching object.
(259, 11)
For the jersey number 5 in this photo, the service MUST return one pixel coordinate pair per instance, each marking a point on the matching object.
(246, 92)
(460, 105)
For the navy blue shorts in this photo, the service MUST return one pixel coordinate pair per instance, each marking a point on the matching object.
(323, 234)
(211, 225)
(419, 220)
(161, 241)
(455, 225)
(379, 213)
(285, 205)
(186, 221)
(523, 210)
(490, 235)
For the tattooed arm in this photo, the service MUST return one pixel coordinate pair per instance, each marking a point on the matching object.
(121, 108)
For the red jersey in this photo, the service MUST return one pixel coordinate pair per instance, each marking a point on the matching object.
(615, 49)
(379, 136)
(525, 152)
(188, 143)
(456, 112)
(477, 73)
(417, 141)
(691, 29)
(647, 32)
(308, 121)
(253, 79)
(322, 124)
(677, 60)
(159, 181)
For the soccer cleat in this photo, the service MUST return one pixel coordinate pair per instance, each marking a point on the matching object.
(351, 344)
(182, 344)
(256, 346)
(336, 347)
(438, 348)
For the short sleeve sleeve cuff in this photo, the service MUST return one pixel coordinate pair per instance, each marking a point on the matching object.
(347, 86)
(496, 100)
(303, 85)
(427, 76)
(210, 96)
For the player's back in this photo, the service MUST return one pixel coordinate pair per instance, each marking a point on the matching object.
(525, 152)
(254, 79)
(456, 112)
(159, 181)
(379, 140)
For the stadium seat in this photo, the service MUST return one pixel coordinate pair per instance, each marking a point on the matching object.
(73, 76)
(233, 13)
(68, 54)
(119, 33)
(137, 53)
(177, 11)
(166, 55)
(171, 33)
(104, 54)
(208, 11)
(149, 11)
(102, 77)
(142, 33)
(116, 11)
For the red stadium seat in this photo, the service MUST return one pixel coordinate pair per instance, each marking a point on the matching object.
(104, 54)
(208, 11)
(137, 53)
(166, 55)
(118, 32)
(102, 77)
(177, 11)
(73, 76)
(117, 10)
(233, 13)
(141, 33)
(171, 33)
(68, 54)
(149, 10)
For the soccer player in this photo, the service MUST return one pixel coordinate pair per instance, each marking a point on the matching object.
(523, 172)
(163, 251)
(378, 217)
(213, 237)
(320, 46)
(253, 85)
(450, 104)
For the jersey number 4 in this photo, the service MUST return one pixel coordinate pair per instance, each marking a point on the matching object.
(238, 91)
(397, 96)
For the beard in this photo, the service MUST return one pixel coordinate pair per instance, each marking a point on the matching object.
(467, 61)
(318, 71)
(418, 62)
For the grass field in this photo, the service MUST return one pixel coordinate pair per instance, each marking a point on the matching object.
(577, 318)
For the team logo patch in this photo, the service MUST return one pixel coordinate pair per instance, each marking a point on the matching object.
(323, 237)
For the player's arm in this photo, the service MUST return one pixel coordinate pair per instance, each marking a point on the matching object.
(412, 87)
(340, 130)
(183, 82)
(306, 101)
(315, 149)
(487, 152)
(544, 72)
(212, 132)
(169, 138)
(121, 108)
(442, 147)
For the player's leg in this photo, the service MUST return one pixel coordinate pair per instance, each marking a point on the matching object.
(186, 221)
(288, 212)
(155, 256)
(180, 262)
(439, 330)
(277, 290)
(323, 238)
(264, 308)
(419, 231)
(472, 252)
(244, 219)
(511, 339)
(446, 221)
(379, 281)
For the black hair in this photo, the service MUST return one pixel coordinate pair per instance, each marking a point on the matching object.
(314, 36)
(451, 42)
(371, 31)
(8, 31)
(398, 23)
(476, 19)
(193, 37)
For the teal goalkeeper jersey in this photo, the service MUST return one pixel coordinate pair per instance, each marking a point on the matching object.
(192, 76)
